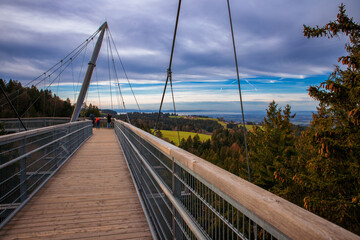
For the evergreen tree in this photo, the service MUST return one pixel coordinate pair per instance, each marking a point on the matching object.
(196, 142)
(272, 151)
(30, 102)
(331, 156)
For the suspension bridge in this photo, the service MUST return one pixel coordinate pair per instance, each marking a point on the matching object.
(64, 179)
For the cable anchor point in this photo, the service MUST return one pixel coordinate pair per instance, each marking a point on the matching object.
(169, 72)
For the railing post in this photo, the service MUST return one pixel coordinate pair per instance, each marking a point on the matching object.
(23, 187)
(176, 188)
(88, 131)
(83, 132)
(142, 166)
(67, 141)
(55, 149)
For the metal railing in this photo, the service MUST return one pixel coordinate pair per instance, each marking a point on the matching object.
(187, 197)
(29, 159)
(14, 125)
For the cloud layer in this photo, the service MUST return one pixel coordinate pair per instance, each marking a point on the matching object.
(276, 61)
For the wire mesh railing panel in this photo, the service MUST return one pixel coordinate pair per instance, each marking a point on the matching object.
(156, 202)
(202, 211)
(14, 125)
(218, 218)
(30, 158)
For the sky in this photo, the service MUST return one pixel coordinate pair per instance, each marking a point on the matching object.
(276, 62)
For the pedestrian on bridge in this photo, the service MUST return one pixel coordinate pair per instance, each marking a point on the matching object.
(109, 120)
(92, 118)
(97, 122)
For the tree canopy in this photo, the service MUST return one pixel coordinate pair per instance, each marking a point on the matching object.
(272, 151)
(32, 102)
(331, 150)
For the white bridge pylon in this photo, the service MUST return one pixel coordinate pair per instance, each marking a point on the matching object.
(89, 72)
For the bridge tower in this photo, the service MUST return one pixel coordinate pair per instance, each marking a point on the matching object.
(89, 72)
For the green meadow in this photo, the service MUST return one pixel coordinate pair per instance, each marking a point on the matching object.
(200, 118)
(222, 123)
(173, 136)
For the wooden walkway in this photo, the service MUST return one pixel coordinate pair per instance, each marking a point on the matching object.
(92, 197)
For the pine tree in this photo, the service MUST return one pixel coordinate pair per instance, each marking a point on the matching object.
(30, 102)
(272, 151)
(332, 152)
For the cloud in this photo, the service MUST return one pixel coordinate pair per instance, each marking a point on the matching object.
(43, 22)
(273, 55)
(20, 66)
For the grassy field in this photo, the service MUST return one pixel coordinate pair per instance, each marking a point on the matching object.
(173, 136)
(249, 127)
(222, 123)
(200, 118)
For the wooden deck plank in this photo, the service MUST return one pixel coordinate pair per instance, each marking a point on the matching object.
(92, 196)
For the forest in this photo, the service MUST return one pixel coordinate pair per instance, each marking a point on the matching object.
(32, 102)
(167, 121)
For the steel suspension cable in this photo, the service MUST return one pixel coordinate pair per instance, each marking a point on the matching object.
(57, 92)
(12, 106)
(51, 82)
(122, 65)
(97, 86)
(44, 99)
(80, 74)
(73, 80)
(60, 62)
(122, 99)
(238, 80)
(63, 63)
(45, 89)
(108, 58)
(170, 63)
(173, 99)
(117, 79)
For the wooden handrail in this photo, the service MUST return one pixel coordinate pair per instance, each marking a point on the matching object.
(32, 118)
(289, 219)
(36, 131)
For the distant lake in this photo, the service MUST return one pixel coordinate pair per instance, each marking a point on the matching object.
(301, 117)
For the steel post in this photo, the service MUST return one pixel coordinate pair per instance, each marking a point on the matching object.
(176, 187)
(23, 186)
